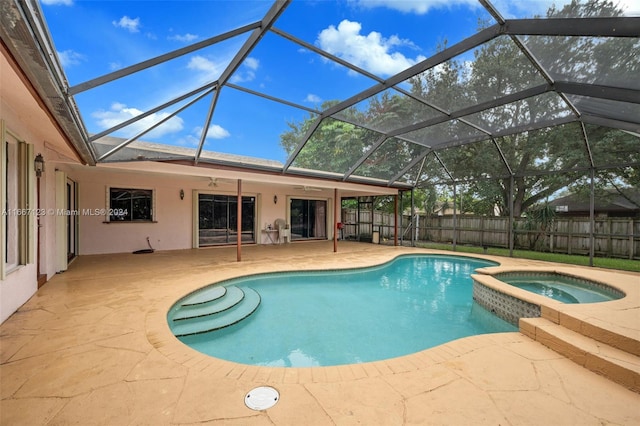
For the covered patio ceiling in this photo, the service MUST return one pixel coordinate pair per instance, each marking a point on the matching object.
(567, 73)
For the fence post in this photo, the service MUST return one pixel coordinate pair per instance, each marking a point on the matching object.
(569, 236)
(631, 242)
(455, 218)
(609, 238)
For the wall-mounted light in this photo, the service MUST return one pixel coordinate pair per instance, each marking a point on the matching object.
(182, 194)
(38, 164)
(275, 199)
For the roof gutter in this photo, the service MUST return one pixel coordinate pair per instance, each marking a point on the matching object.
(24, 35)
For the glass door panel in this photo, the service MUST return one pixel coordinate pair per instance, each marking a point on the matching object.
(308, 219)
(217, 219)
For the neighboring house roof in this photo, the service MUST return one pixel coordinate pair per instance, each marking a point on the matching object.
(614, 202)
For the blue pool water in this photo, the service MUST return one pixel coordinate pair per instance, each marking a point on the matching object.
(352, 316)
(562, 288)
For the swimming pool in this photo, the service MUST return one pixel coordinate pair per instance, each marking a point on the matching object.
(562, 288)
(341, 317)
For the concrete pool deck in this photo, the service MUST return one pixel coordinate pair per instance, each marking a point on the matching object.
(92, 347)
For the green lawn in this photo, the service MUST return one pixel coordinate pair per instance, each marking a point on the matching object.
(609, 263)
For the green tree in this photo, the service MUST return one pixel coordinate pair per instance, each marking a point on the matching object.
(539, 161)
(542, 161)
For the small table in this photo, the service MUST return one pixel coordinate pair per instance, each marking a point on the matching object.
(270, 234)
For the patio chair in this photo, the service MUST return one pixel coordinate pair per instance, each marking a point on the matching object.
(284, 234)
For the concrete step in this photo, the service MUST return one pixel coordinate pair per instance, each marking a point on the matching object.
(620, 340)
(203, 324)
(208, 294)
(617, 365)
(231, 297)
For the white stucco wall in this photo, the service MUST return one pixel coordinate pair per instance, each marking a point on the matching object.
(24, 117)
(174, 218)
(172, 226)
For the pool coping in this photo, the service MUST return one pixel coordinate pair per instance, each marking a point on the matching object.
(586, 318)
(160, 336)
(81, 351)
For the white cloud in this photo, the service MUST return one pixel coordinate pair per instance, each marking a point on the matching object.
(247, 72)
(69, 58)
(120, 112)
(314, 99)
(200, 63)
(419, 7)
(252, 63)
(131, 25)
(183, 38)
(373, 52)
(115, 66)
(217, 132)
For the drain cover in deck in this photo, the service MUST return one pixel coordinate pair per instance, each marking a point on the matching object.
(261, 398)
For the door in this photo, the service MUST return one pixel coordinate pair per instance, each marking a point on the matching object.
(72, 219)
(218, 219)
(308, 219)
(62, 260)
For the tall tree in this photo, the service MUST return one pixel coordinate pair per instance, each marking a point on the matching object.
(541, 157)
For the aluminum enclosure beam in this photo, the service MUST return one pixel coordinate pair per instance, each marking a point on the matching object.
(269, 19)
(465, 45)
(78, 88)
(152, 111)
(585, 27)
(619, 94)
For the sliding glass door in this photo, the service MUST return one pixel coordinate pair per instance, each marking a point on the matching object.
(308, 219)
(218, 219)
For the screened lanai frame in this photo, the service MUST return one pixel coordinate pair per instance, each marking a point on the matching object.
(432, 127)
(417, 141)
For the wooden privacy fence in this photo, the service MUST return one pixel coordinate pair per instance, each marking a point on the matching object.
(612, 237)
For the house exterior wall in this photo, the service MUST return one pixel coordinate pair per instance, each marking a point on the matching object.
(173, 227)
(172, 224)
(23, 114)
(23, 117)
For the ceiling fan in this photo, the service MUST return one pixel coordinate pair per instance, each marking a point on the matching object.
(306, 188)
(214, 182)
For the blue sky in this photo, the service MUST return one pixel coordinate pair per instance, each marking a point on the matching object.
(93, 38)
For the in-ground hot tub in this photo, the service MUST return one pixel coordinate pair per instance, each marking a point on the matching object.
(563, 288)
(505, 293)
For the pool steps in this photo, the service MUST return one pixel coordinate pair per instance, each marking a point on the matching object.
(614, 354)
(232, 307)
(609, 354)
(203, 296)
(232, 296)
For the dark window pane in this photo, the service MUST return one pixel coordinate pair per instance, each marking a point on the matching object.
(130, 204)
